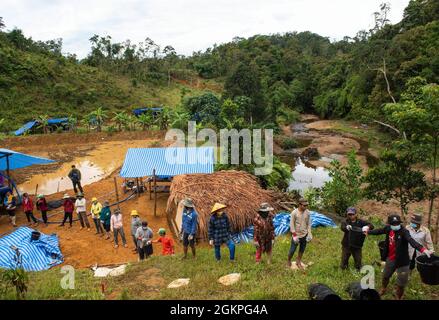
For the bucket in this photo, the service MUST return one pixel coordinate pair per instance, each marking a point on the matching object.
(428, 269)
(382, 247)
(357, 293)
(318, 291)
(35, 235)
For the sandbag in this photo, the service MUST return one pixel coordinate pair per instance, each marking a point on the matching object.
(319, 291)
(356, 292)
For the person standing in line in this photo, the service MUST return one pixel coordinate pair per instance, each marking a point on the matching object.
(421, 234)
(105, 217)
(189, 225)
(136, 223)
(81, 210)
(69, 207)
(75, 176)
(264, 232)
(300, 227)
(10, 205)
(352, 243)
(220, 231)
(116, 223)
(144, 237)
(43, 207)
(28, 208)
(95, 210)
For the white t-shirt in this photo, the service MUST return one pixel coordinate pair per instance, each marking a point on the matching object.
(81, 205)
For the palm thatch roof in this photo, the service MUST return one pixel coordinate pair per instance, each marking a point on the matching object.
(239, 190)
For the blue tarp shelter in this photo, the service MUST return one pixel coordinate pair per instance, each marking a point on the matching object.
(139, 111)
(11, 160)
(36, 255)
(31, 124)
(25, 128)
(281, 224)
(167, 162)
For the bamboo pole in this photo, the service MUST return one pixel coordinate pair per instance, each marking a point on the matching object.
(155, 193)
(117, 192)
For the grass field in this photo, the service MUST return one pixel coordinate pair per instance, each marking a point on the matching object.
(148, 279)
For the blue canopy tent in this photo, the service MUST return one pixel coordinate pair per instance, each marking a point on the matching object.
(12, 160)
(32, 124)
(167, 163)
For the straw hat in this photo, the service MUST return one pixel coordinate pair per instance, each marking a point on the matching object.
(66, 196)
(265, 207)
(94, 199)
(217, 207)
(134, 213)
(188, 203)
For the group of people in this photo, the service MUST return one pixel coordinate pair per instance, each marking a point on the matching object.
(401, 246)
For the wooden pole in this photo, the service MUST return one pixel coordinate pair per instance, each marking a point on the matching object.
(155, 193)
(150, 189)
(138, 187)
(36, 189)
(117, 192)
(8, 171)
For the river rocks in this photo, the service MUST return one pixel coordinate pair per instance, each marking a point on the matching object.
(311, 153)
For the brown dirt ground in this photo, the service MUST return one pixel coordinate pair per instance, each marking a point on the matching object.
(83, 248)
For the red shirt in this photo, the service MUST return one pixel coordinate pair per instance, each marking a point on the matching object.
(392, 246)
(167, 245)
(28, 205)
(68, 206)
(42, 205)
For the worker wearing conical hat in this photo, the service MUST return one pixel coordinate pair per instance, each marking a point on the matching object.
(220, 231)
(95, 210)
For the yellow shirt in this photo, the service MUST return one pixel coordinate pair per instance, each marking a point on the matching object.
(96, 210)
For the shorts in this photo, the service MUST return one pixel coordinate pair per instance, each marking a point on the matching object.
(186, 241)
(402, 273)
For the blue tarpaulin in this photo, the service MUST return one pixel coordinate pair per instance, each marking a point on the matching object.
(281, 224)
(138, 112)
(167, 162)
(36, 255)
(25, 128)
(19, 160)
(33, 123)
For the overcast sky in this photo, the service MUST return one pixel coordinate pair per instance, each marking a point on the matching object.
(187, 25)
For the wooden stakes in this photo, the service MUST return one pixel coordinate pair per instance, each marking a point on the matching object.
(117, 192)
(155, 193)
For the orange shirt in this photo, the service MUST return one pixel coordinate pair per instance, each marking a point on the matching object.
(167, 245)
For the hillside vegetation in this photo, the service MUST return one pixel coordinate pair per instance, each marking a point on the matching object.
(36, 79)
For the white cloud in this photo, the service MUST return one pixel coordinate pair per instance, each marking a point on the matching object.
(187, 25)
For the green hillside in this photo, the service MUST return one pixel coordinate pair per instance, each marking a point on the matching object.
(35, 79)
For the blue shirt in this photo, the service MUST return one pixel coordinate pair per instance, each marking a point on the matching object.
(189, 221)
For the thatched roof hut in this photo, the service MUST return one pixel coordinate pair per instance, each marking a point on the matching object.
(239, 190)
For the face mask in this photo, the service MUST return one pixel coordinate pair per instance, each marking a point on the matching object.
(395, 228)
(414, 225)
(219, 214)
